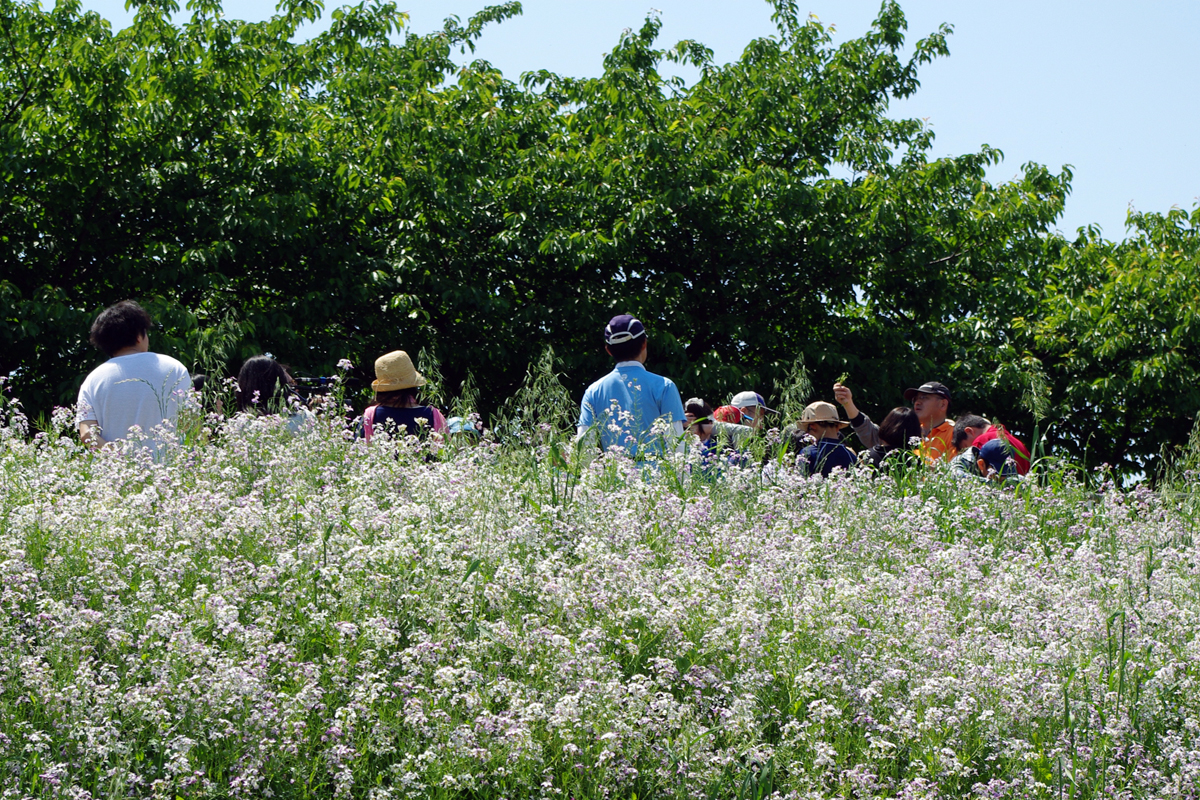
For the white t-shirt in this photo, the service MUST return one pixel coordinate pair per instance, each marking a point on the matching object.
(301, 420)
(138, 389)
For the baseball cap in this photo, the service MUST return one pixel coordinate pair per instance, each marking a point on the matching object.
(932, 387)
(748, 399)
(996, 455)
(623, 328)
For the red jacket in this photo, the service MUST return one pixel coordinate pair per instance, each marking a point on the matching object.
(1020, 452)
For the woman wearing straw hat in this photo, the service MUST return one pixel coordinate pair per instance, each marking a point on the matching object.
(396, 383)
(820, 420)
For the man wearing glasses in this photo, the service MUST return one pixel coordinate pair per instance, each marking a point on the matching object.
(931, 402)
(752, 407)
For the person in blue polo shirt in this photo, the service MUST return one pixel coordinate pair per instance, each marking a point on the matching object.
(625, 404)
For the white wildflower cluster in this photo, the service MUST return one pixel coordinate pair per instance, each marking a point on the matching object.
(269, 615)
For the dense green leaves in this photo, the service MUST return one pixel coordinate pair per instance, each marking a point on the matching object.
(1119, 334)
(360, 192)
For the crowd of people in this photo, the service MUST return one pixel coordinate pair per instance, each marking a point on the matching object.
(641, 413)
(630, 409)
(137, 390)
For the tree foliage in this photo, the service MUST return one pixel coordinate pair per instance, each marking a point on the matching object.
(1119, 336)
(360, 191)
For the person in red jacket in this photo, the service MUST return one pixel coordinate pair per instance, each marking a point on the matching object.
(975, 431)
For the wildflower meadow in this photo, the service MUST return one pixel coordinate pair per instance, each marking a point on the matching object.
(269, 615)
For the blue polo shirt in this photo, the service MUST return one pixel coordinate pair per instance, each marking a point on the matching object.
(630, 399)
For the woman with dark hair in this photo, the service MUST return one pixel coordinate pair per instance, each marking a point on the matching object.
(396, 388)
(264, 386)
(896, 435)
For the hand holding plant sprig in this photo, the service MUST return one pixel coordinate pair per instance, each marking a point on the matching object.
(844, 396)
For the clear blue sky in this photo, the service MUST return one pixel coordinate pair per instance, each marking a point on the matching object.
(1102, 86)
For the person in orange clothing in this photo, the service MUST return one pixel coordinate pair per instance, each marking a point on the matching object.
(931, 401)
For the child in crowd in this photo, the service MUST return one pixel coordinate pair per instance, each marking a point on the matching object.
(631, 408)
(717, 439)
(747, 409)
(994, 461)
(975, 431)
(724, 431)
(134, 388)
(396, 405)
(820, 421)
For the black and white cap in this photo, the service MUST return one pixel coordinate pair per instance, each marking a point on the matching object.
(933, 387)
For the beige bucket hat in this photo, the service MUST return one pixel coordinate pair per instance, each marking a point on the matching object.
(821, 411)
(395, 371)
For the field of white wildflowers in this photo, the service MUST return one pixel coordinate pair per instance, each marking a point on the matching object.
(312, 617)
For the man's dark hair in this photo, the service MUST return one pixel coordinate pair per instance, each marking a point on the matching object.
(627, 351)
(960, 428)
(899, 427)
(119, 326)
(262, 385)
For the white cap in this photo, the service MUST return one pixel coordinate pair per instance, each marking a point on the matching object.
(749, 400)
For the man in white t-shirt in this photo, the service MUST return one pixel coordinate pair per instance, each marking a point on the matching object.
(134, 387)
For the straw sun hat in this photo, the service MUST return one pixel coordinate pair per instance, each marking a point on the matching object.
(821, 412)
(395, 371)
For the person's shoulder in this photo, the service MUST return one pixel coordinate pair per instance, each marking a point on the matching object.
(665, 380)
(599, 384)
(108, 371)
(667, 386)
(168, 362)
(102, 369)
(663, 383)
(831, 447)
(100, 374)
